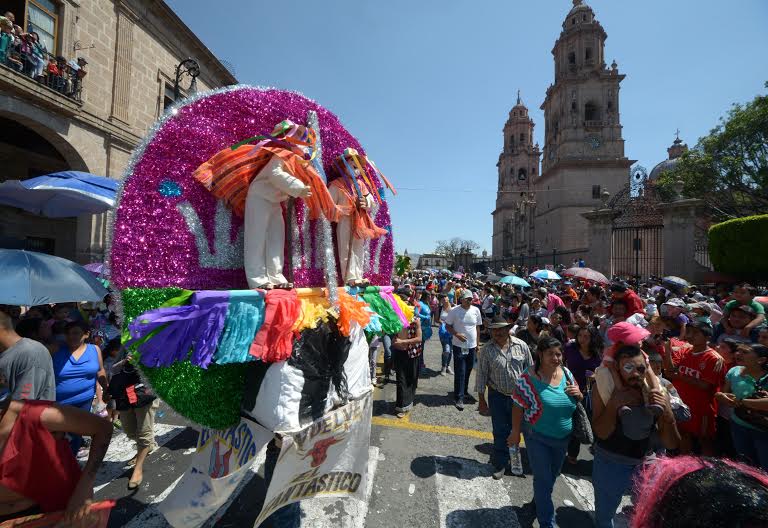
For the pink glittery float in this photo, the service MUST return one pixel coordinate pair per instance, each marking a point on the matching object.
(169, 231)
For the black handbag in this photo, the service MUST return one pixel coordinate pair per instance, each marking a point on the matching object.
(582, 428)
(755, 418)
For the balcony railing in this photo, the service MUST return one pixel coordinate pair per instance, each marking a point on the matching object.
(54, 72)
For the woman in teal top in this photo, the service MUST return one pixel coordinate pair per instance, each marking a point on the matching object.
(745, 386)
(545, 398)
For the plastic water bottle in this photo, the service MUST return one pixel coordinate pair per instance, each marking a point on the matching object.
(515, 462)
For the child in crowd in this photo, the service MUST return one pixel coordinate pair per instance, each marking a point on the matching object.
(112, 354)
(701, 312)
(608, 378)
(744, 295)
(675, 308)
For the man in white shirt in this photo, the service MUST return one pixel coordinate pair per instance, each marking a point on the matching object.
(462, 322)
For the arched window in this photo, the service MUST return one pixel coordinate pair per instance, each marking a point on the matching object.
(522, 175)
(572, 57)
(522, 137)
(591, 112)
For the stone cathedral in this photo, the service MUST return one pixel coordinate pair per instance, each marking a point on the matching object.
(539, 211)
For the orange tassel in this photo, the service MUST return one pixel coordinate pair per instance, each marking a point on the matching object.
(351, 311)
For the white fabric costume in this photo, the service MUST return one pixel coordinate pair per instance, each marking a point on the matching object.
(264, 224)
(351, 250)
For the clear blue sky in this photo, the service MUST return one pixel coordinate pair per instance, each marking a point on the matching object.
(426, 85)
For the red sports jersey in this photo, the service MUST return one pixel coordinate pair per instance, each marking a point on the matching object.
(705, 366)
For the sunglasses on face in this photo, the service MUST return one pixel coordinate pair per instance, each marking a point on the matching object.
(629, 368)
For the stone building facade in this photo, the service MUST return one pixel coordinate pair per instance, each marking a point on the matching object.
(132, 48)
(583, 154)
(514, 217)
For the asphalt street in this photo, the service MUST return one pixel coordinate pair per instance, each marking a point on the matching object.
(428, 470)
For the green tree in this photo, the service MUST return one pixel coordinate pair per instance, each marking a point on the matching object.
(450, 249)
(728, 168)
(402, 264)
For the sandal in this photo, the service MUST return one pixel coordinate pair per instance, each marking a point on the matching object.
(284, 286)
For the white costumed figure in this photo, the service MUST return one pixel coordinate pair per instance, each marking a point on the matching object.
(355, 194)
(255, 180)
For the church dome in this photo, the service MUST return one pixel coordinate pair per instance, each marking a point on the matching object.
(519, 110)
(677, 149)
(580, 13)
(662, 167)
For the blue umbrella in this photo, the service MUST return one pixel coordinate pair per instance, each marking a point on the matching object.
(60, 194)
(30, 279)
(545, 274)
(514, 280)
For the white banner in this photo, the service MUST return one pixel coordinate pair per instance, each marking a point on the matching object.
(223, 458)
(327, 458)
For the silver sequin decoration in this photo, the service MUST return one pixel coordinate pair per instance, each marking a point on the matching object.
(325, 245)
(296, 257)
(329, 259)
(306, 241)
(226, 254)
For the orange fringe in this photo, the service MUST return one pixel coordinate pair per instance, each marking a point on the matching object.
(351, 311)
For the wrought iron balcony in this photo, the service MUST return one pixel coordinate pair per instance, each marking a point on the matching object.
(55, 73)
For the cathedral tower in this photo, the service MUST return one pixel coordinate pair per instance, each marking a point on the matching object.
(584, 148)
(513, 218)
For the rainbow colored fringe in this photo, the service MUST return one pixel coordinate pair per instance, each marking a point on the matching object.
(238, 326)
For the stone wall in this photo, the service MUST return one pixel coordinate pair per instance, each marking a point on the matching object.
(132, 48)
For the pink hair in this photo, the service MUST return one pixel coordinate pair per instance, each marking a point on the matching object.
(655, 480)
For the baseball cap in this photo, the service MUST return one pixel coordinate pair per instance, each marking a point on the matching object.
(679, 303)
(702, 326)
(466, 294)
(627, 333)
(701, 306)
(619, 286)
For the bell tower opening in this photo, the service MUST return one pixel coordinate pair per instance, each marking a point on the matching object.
(591, 112)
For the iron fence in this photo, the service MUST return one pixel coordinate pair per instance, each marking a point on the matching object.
(637, 251)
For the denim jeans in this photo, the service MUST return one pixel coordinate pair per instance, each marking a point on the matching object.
(447, 351)
(610, 480)
(545, 456)
(750, 444)
(501, 421)
(462, 368)
(387, 342)
(289, 516)
(75, 440)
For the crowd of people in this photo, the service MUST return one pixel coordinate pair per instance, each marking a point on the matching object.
(24, 52)
(630, 373)
(64, 370)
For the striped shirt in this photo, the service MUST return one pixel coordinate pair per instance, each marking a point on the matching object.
(499, 367)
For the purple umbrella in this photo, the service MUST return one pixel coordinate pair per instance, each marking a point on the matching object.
(97, 268)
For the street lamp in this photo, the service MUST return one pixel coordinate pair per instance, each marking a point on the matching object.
(186, 67)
